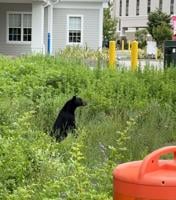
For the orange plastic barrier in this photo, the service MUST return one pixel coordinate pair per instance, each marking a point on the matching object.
(150, 179)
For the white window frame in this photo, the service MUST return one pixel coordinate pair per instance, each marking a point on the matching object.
(75, 43)
(7, 28)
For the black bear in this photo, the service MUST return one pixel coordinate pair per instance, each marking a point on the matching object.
(65, 120)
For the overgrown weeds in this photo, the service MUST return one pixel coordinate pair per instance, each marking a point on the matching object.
(128, 115)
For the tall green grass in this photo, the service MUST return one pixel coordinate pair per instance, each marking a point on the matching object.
(128, 115)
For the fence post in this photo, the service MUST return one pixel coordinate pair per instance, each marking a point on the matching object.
(112, 54)
(134, 55)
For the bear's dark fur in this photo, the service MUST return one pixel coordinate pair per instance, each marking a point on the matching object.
(65, 120)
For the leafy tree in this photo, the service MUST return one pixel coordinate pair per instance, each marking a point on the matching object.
(109, 24)
(162, 32)
(141, 37)
(159, 26)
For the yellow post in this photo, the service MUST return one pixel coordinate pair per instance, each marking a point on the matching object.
(112, 54)
(129, 45)
(134, 55)
(123, 45)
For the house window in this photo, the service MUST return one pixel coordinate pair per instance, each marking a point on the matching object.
(27, 27)
(120, 8)
(127, 7)
(137, 7)
(19, 27)
(160, 4)
(171, 7)
(75, 29)
(149, 6)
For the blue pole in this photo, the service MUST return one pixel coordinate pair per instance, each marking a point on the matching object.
(49, 43)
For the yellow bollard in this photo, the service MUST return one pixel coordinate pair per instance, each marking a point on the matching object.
(123, 45)
(112, 54)
(129, 45)
(134, 55)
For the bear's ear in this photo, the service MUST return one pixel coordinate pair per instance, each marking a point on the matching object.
(74, 97)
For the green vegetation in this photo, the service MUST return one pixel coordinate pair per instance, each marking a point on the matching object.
(141, 37)
(109, 24)
(159, 26)
(128, 115)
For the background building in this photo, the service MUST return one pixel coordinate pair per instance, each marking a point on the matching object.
(47, 26)
(132, 14)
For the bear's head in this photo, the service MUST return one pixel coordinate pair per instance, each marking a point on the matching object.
(78, 101)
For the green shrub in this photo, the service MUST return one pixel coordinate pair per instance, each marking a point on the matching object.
(128, 115)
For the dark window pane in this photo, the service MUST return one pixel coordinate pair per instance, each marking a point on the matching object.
(14, 34)
(25, 30)
(14, 37)
(25, 38)
(30, 31)
(27, 34)
(10, 37)
(10, 30)
(19, 37)
(19, 31)
(75, 36)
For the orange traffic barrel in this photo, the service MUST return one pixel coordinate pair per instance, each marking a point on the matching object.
(149, 179)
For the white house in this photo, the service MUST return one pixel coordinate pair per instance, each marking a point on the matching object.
(46, 26)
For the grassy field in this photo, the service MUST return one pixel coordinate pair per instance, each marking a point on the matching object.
(128, 115)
